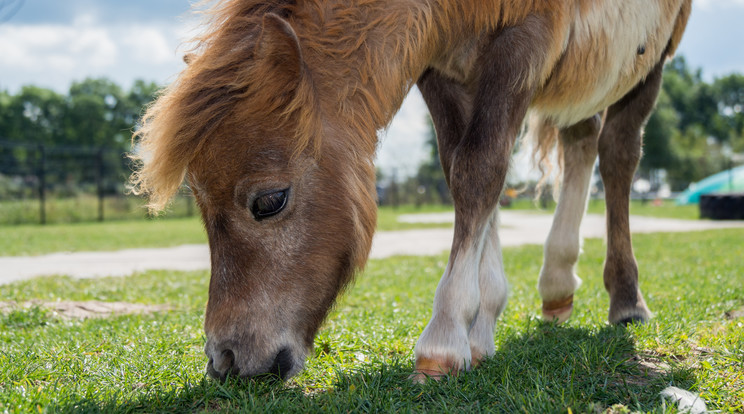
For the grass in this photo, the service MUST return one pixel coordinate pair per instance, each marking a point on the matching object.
(84, 208)
(32, 239)
(113, 235)
(663, 209)
(363, 353)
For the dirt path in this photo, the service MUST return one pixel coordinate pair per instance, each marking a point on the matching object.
(517, 228)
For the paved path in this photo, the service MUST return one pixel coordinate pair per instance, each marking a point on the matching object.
(517, 228)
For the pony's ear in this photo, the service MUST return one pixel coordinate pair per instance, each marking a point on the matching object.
(279, 47)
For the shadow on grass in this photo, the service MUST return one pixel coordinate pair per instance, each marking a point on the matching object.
(542, 369)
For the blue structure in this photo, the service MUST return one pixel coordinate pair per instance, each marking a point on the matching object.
(724, 181)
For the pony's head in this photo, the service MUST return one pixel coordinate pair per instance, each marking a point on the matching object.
(287, 199)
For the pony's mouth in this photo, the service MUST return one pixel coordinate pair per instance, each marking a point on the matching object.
(224, 364)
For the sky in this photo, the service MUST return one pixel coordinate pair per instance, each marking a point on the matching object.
(51, 43)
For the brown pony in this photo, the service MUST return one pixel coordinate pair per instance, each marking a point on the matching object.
(274, 123)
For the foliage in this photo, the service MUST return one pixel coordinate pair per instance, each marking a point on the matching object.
(363, 353)
(695, 126)
(94, 113)
(72, 141)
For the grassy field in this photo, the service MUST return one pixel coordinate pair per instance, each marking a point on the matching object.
(666, 209)
(84, 208)
(33, 239)
(363, 353)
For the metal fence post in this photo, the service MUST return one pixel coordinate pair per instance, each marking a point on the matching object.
(42, 184)
(99, 182)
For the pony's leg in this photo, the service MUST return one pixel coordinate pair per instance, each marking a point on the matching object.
(477, 169)
(493, 294)
(448, 104)
(619, 153)
(557, 278)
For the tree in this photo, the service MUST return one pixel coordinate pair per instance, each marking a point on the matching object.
(692, 124)
(430, 175)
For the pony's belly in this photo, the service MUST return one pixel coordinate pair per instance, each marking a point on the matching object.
(609, 50)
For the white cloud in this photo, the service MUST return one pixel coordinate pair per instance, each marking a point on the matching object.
(44, 48)
(402, 148)
(710, 4)
(147, 44)
(52, 55)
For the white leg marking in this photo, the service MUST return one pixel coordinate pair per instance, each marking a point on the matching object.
(558, 280)
(444, 344)
(493, 293)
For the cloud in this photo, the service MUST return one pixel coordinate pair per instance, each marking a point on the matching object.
(718, 4)
(52, 55)
(33, 48)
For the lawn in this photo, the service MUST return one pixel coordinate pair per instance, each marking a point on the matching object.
(363, 353)
(663, 209)
(33, 239)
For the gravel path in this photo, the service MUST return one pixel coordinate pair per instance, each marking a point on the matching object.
(517, 228)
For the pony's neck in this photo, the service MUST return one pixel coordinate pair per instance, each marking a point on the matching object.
(364, 58)
(365, 55)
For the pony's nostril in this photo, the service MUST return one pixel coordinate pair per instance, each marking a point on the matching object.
(282, 364)
(221, 365)
(228, 356)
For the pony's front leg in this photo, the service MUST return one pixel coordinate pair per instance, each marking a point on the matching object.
(493, 294)
(472, 291)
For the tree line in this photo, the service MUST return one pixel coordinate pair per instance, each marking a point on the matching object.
(94, 113)
(69, 143)
(696, 127)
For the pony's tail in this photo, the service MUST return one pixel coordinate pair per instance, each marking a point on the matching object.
(547, 154)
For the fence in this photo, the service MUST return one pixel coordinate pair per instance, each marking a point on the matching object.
(52, 184)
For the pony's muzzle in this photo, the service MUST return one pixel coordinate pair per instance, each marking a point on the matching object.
(223, 364)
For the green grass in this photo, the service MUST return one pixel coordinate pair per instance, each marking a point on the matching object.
(664, 209)
(387, 216)
(84, 208)
(33, 239)
(363, 353)
(113, 235)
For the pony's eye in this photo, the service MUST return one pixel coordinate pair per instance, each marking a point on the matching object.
(270, 204)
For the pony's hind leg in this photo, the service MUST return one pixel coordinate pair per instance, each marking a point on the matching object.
(619, 153)
(558, 281)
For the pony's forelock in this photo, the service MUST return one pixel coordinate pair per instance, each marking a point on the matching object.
(222, 77)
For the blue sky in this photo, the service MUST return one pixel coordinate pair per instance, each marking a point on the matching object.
(51, 43)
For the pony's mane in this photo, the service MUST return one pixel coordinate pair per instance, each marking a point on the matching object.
(364, 54)
(221, 72)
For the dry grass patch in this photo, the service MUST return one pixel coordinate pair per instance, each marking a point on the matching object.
(83, 309)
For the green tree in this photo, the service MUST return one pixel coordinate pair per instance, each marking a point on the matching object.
(430, 176)
(693, 122)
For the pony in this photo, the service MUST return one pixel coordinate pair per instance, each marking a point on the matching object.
(274, 124)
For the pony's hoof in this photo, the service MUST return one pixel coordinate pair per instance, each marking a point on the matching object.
(427, 368)
(632, 320)
(637, 313)
(558, 310)
(476, 358)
